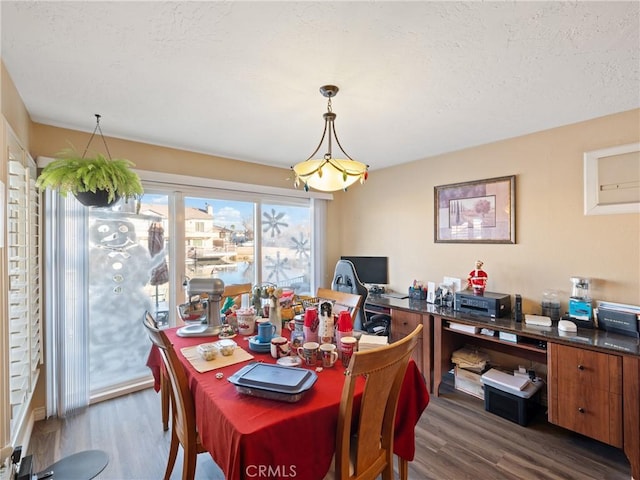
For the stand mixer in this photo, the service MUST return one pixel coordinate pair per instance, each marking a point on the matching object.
(201, 313)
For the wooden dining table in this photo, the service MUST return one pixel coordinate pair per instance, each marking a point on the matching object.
(252, 437)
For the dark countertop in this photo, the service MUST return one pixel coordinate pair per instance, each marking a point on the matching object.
(592, 339)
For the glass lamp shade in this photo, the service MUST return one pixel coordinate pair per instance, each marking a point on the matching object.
(330, 175)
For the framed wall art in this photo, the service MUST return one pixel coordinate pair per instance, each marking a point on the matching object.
(482, 211)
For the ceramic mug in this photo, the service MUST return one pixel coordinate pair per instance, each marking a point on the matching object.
(329, 354)
(266, 331)
(308, 352)
(347, 347)
(280, 347)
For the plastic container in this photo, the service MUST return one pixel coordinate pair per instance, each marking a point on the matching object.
(208, 351)
(344, 326)
(581, 288)
(551, 305)
(276, 382)
(311, 324)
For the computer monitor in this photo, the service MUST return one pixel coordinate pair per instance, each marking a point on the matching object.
(371, 270)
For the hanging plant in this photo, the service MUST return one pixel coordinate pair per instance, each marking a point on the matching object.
(97, 181)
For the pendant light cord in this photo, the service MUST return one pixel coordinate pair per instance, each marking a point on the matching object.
(101, 135)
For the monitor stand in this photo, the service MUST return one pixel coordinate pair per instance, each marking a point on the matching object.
(199, 330)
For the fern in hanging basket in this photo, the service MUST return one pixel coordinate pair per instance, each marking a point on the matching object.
(75, 174)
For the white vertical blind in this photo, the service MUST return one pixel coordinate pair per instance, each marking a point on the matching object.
(67, 311)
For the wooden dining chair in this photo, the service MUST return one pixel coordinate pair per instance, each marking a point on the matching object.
(364, 439)
(349, 300)
(234, 290)
(183, 419)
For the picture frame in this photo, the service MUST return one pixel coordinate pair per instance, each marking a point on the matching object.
(480, 211)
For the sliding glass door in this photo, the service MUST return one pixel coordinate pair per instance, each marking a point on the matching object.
(128, 273)
(120, 262)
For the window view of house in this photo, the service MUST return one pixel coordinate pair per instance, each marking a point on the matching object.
(219, 240)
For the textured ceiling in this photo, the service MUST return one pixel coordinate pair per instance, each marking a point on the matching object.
(241, 79)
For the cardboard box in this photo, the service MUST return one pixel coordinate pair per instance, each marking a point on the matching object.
(469, 382)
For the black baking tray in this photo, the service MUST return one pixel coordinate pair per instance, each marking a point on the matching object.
(276, 382)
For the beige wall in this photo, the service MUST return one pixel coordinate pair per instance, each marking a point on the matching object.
(48, 141)
(393, 215)
(13, 108)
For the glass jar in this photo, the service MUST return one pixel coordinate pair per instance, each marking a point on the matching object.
(297, 336)
(580, 288)
(275, 315)
(551, 305)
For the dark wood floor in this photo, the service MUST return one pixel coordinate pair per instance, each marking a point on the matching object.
(456, 440)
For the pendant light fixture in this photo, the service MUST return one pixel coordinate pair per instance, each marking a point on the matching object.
(329, 174)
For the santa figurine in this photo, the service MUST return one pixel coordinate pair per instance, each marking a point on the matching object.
(477, 280)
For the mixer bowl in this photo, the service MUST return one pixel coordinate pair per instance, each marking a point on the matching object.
(192, 313)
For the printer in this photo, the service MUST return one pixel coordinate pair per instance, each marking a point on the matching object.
(490, 304)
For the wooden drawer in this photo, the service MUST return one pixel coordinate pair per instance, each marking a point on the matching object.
(403, 323)
(585, 392)
(592, 412)
(596, 370)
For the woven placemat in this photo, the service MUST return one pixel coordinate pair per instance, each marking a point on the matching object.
(202, 365)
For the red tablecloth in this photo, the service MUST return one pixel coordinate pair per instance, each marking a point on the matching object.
(254, 437)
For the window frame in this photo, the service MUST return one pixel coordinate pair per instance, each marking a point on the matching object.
(177, 187)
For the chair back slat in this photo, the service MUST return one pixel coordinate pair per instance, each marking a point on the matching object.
(368, 449)
(349, 300)
(183, 409)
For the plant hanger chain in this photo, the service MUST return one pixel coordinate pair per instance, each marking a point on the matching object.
(101, 135)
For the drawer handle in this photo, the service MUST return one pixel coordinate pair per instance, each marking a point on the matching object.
(581, 410)
(580, 367)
